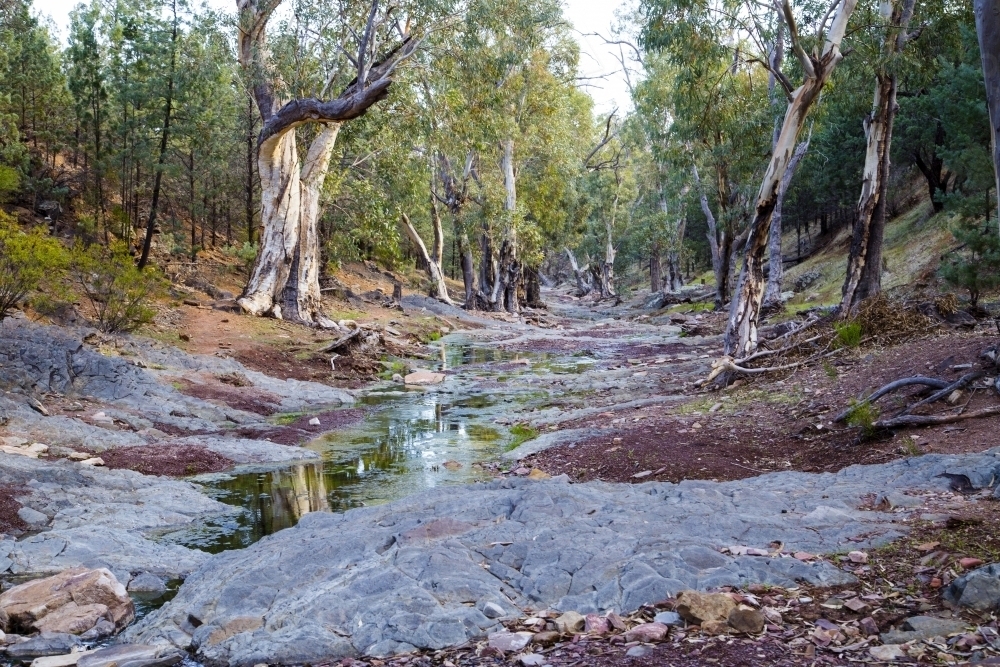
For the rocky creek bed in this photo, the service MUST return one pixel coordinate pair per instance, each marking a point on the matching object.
(431, 569)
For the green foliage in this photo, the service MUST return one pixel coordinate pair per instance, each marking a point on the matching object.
(521, 433)
(117, 291)
(863, 415)
(246, 254)
(848, 334)
(27, 259)
(975, 266)
(10, 181)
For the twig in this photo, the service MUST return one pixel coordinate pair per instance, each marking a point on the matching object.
(934, 420)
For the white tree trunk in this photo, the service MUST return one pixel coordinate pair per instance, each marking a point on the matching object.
(581, 275)
(719, 268)
(988, 30)
(433, 264)
(504, 296)
(285, 278)
(744, 312)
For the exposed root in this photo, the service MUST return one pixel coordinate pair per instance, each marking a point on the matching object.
(945, 391)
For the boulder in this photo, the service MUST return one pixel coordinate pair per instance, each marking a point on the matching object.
(700, 608)
(132, 655)
(424, 377)
(70, 602)
(978, 590)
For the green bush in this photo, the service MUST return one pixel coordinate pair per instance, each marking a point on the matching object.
(863, 415)
(848, 334)
(26, 260)
(976, 266)
(118, 292)
(246, 254)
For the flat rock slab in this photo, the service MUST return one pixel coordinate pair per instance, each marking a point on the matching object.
(420, 571)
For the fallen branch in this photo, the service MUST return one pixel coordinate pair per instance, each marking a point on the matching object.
(891, 387)
(728, 364)
(934, 420)
(343, 340)
(945, 391)
(805, 325)
(767, 353)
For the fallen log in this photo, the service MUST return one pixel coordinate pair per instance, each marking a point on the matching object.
(343, 340)
(891, 387)
(961, 383)
(934, 420)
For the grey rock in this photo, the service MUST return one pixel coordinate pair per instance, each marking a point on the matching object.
(132, 655)
(509, 641)
(46, 643)
(917, 628)
(668, 618)
(548, 440)
(147, 583)
(32, 517)
(532, 660)
(638, 651)
(103, 628)
(492, 610)
(978, 590)
(410, 571)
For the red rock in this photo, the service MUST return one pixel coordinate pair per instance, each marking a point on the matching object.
(647, 632)
(595, 625)
(969, 563)
(936, 582)
(868, 626)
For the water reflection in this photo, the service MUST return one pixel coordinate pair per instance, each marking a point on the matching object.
(409, 441)
(416, 442)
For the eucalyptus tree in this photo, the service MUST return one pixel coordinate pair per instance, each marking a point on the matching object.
(741, 28)
(988, 30)
(864, 263)
(349, 45)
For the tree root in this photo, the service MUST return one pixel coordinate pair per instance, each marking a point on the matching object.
(934, 420)
(891, 387)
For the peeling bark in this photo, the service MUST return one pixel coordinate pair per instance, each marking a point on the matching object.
(284, 281)
(504, 295)
(864, 262)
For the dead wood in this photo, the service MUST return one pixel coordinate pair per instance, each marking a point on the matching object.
(767, 353)
(891, 387)
(934, 420)
(962, 382)
(342, 341)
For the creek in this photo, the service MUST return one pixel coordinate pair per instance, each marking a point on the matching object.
(409, 441)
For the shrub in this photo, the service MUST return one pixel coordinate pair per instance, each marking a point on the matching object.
(848, 334)
(863, 415)
(246, 254)
(976, 267)
(26, 259)
(118, 292)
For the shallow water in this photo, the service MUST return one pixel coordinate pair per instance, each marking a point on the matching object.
(408, 442)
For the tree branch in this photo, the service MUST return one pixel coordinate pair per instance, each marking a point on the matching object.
(793, 33)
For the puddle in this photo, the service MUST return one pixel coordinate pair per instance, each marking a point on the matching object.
(410, 441)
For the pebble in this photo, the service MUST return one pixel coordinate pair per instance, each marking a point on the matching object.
(570, 622)
(647, 632)
(638, 651)
(532, 660)
(509, 641)
(887, 652)
(668, 618)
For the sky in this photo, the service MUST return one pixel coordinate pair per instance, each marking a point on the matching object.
(587, 16)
